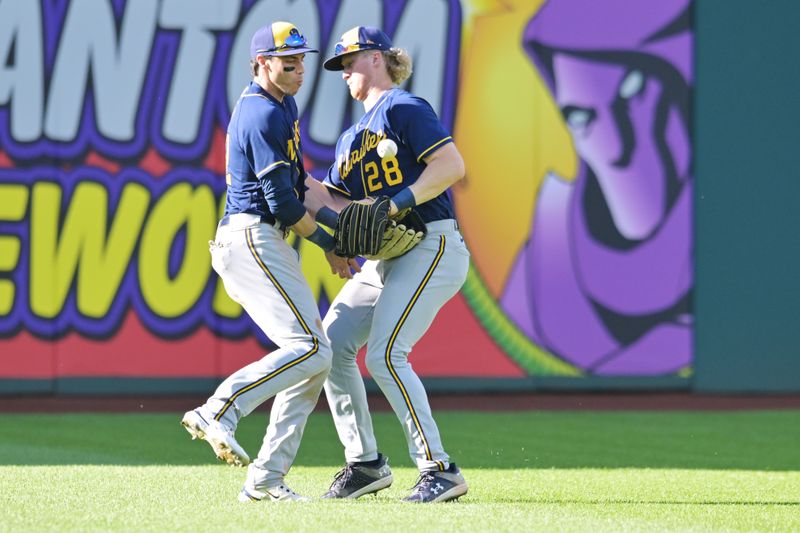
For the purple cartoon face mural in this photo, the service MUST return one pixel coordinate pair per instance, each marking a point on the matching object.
(605, 279)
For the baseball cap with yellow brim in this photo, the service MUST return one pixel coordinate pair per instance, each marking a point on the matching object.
(278, 39)
(355, 40)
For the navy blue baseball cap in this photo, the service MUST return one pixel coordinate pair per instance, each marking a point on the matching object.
(278, 39)
(355, 40)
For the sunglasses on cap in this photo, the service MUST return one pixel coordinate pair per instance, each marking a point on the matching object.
(342, 48)
(295, 40)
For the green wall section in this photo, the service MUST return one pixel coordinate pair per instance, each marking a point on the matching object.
(747, 146)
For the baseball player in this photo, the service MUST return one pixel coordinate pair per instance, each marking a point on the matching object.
(261, 271)
(391, 303)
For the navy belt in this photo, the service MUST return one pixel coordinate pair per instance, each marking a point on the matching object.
(263, 219)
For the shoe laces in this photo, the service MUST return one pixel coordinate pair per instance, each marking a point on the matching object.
(426, 479)
(342, 477)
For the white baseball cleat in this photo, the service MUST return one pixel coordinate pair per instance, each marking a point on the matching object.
(277, 493)
(218, 436)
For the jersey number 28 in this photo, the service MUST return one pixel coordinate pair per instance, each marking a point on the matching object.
(391, 172)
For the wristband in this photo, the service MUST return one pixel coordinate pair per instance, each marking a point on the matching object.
(323, 239)
(404, 199)
(327, 216)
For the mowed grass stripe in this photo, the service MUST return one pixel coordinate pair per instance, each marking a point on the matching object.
(750, 440)
(189, 498)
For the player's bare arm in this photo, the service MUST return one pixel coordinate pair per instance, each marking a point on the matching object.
(444, 168)
(319, 196)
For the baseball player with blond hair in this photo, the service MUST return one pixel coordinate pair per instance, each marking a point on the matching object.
(261, 271)
(397, 152)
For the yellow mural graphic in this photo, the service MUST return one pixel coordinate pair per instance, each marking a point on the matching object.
(504, 111)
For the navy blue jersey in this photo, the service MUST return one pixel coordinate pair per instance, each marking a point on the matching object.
(410, 122)
(263, 142)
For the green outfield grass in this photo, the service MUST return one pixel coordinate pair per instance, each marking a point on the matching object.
(552, 471)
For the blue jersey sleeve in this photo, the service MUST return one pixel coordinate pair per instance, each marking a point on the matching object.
(267, 137)
(419, 128)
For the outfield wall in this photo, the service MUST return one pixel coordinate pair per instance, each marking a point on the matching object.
(746, 110)
(579, 206)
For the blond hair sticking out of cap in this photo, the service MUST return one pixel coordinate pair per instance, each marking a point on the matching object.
(398, 64)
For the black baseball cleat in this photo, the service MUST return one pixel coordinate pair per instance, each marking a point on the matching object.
(358, 479)
(433, 486)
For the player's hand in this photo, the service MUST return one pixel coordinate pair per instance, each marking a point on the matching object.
(353, 264)
(342, 266)
(393, 211)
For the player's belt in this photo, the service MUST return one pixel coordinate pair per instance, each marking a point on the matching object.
(243, 220)
(239, 221)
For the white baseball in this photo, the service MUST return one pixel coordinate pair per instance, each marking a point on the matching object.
(387, 148)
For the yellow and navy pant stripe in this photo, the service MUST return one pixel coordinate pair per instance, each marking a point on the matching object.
(392, 339)
(293, 362)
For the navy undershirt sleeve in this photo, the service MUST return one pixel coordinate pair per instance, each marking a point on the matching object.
(281, 197)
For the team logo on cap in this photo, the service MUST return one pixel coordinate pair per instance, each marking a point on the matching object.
(279, 38)
(287, 36)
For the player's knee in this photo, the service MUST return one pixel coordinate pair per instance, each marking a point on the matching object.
(316, 353)
(375, 362)
(381, 366)
(324, 355)
(340, 342)
(321, 358)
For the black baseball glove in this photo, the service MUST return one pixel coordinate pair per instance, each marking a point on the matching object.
(360, 227)
(412, 220)
(401, 235)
